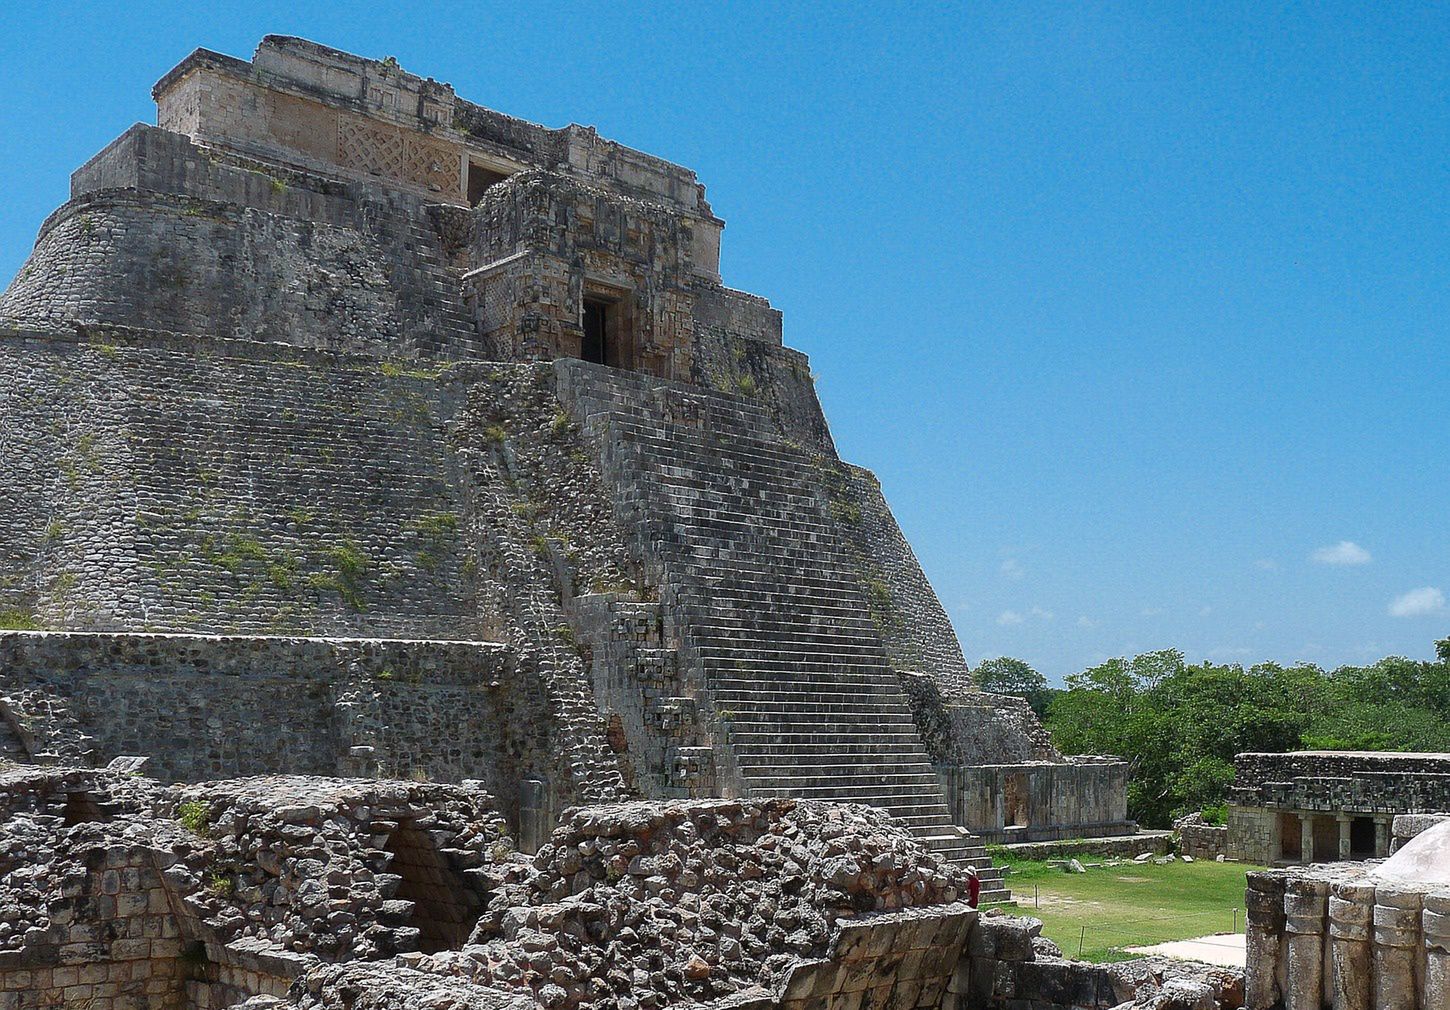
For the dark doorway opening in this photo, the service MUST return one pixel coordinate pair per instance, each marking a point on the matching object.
(1015, 800)
(1326, 840)
(595, 347)
(480, 179)
(81, 808)
(1361, 838)
(444, 909)
(1291, 838)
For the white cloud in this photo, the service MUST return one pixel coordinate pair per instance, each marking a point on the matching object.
(1346, 552)
(1418, 603)
(1086, 622)
(1150, 612)
(1204, 611)
(1267, 564)
(1010, 569)
(1007, 617)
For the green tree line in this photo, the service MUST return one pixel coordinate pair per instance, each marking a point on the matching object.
(1180, 724)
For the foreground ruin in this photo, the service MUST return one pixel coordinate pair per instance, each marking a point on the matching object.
(118, 892)
(1352, 935)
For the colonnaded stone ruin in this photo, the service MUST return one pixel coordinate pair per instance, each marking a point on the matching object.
(1325, 806)
(400, 479)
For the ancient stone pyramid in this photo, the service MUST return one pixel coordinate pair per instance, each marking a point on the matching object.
(347, 427)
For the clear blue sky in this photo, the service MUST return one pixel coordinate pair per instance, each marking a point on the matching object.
(1132, 308)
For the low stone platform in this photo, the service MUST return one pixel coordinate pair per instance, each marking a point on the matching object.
(1156, 842)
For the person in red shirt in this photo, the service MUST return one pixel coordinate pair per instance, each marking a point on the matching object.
(974, 886)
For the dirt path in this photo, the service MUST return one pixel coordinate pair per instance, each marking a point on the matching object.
(1226, 949)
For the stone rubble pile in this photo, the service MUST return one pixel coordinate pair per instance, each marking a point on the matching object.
(387, 895)
(642, 905)
(301, 862)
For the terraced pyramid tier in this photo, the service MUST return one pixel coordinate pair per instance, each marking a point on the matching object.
(769, 610)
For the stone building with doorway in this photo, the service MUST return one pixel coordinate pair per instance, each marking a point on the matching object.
(1328, 806)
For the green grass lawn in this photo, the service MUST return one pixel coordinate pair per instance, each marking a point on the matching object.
(1128, 904)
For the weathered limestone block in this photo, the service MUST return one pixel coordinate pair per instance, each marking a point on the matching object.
(1351, 919)
(1263, 938)
(1396, 949)
(1305, 921)
(1436, 923)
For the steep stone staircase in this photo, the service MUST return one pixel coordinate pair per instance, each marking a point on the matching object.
(761, 591)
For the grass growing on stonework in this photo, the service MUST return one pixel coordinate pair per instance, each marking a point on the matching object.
(1127, 904)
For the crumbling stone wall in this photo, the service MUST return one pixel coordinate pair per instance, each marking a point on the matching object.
(201, 707)
(1009, 965)
(1199, 839)
(167, 898)
(316, 866)
(965, 727)
(292, 891)
(651, 904)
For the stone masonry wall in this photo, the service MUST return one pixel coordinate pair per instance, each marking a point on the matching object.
(975, 727)
(152, 897)
(1038, 801)
(117, 948)
(1298, 807)
(203, 707)
(166, 483)
(157, 482)
(1339, 935)
(543, 242)
(1199, 839)
(738, 351)
(161, 261)
(1344, 780)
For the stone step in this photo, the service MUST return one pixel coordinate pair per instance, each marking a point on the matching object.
(780, 689)
(886, 751)
(747, 453)
(813, 724)
(763, 656)
(903, 793)
(776, 705)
